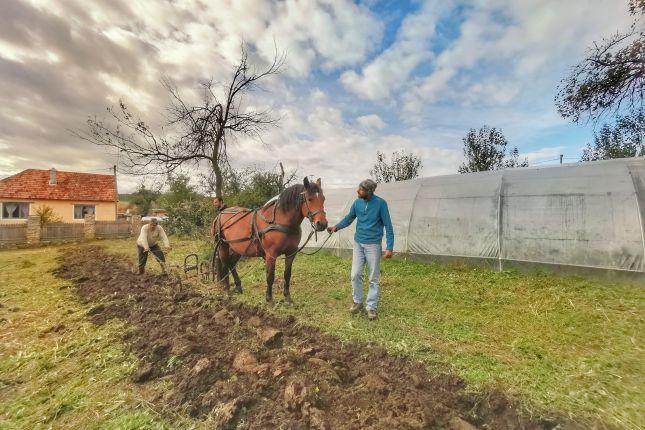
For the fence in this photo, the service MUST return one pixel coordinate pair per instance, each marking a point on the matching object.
(112, 229)
(31, 232)
(11, 234)
(56, 231)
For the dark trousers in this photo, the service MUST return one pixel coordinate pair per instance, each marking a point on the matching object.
(143, 256)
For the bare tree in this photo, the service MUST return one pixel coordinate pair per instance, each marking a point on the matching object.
(194, 133)
(611, 79)
(241, 180)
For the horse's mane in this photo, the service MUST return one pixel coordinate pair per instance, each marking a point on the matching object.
(290, 198)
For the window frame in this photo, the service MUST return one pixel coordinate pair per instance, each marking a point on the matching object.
(81, 205)
(12, 218)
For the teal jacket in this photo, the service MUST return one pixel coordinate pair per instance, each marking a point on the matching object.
(372, 215)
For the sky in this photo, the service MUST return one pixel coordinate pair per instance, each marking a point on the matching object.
(359, 77)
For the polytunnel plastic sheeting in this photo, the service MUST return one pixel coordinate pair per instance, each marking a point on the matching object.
(637, 173)
(457, 216)
(581, 215)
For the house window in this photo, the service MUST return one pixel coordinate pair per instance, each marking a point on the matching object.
(81, 210)
(15, 210)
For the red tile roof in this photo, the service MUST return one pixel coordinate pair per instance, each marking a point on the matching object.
(34, 184)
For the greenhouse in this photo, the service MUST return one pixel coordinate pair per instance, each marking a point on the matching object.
(583, 218)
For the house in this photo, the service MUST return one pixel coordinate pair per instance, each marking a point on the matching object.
(71, 195)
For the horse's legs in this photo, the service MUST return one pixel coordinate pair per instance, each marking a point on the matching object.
(287, 277)
(233, 264)
(269, 261)
(223, 264)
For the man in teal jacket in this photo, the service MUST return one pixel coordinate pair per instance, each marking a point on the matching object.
(373, 215)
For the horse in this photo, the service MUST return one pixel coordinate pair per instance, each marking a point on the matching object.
(268, 232)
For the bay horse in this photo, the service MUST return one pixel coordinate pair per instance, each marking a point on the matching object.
(268, 232)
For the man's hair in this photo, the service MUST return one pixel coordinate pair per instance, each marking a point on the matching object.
(154, 221)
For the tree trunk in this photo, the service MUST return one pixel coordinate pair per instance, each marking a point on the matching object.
(215, 161)
(218, 177)
(281, 180)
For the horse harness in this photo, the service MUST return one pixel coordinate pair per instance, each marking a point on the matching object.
(256, 233)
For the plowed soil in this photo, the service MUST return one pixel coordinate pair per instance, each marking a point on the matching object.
(253, 370)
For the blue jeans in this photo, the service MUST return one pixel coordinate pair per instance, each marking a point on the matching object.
(370, 254)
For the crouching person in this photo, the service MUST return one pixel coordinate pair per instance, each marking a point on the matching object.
(147, 242)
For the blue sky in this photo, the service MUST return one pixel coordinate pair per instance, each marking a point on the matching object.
(360, 76)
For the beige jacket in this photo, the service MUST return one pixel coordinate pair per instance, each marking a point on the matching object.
(149, 238)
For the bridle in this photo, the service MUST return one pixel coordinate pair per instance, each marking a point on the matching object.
(310, 214)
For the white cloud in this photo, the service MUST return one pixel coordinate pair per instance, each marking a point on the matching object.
(392, 69)
(371, 121)
(315, 137)
(516, 43)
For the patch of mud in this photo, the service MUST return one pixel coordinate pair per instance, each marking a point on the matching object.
(249, 369)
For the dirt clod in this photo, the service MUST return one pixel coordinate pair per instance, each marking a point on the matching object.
(270, 337)
(295, 394)
(245, 362)
(201, 366)
(255, 321)
(144, 373)
(225, 413)
(457, 423)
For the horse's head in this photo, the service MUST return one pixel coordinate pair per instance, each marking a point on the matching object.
(313, 206)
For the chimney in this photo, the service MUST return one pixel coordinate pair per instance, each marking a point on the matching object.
(52, 176)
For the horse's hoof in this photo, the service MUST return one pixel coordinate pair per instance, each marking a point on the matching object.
(288, 301)
(270, 303)
(238, 290)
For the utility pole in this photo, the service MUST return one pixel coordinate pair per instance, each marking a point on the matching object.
(561, 155)
(116, 202)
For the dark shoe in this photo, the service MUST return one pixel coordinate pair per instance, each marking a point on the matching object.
(371, 314)
(356, 308)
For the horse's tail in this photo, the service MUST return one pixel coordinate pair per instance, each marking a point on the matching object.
(217, 267)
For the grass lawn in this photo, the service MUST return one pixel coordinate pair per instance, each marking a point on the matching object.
(567, 345)
(57, 369)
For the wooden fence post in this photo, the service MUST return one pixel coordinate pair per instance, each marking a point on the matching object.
(135, 225)
(89, 229)
(33, 229)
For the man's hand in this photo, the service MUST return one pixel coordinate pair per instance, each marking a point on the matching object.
(388, 254)
(332, 229)
(146, 249)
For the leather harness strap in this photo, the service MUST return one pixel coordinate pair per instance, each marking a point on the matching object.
(255, 233)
